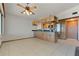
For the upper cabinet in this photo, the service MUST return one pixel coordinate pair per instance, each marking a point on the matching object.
(34, 22)
(46, 22)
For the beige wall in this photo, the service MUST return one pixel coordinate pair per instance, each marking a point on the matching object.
(68, 13)
(17, 27)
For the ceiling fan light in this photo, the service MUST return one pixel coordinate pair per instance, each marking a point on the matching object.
(30, 12)
(27, 12)
(24, 12)
(27, 9)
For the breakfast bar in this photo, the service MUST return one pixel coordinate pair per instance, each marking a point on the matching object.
(48, 35)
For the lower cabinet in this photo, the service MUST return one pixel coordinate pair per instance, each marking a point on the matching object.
(45, 36)
(52, 36)
(49, 36)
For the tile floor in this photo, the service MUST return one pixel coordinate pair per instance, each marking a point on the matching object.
(37, 47)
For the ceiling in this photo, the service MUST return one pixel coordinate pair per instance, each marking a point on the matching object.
(43, 9)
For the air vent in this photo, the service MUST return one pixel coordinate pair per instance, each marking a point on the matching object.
(74, 13)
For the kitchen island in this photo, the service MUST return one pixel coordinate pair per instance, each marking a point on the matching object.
(48, 35)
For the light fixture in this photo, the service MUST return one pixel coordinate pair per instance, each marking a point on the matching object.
(27, 12)
(30, 12)
(28, 9)
(24, 12)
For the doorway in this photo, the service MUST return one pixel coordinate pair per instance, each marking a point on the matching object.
(72, 28)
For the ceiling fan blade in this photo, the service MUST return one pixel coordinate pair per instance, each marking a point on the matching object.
(33, 8)
(20, 5)
(23, 12)
(33, 13)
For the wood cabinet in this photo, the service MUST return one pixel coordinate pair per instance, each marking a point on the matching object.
(48, 36)
(45, 36)
(51, 36)
(47, 23)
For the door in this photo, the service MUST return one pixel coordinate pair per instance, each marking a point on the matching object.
(72, 28)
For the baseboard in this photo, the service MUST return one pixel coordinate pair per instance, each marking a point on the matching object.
(13, 37)
(17, 39)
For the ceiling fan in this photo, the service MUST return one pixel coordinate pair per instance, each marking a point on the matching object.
(27, 9)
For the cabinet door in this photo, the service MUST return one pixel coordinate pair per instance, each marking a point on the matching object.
(45, 35)
(52, 36)
(41, 35)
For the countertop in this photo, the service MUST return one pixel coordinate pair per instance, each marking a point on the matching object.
(44, 30)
